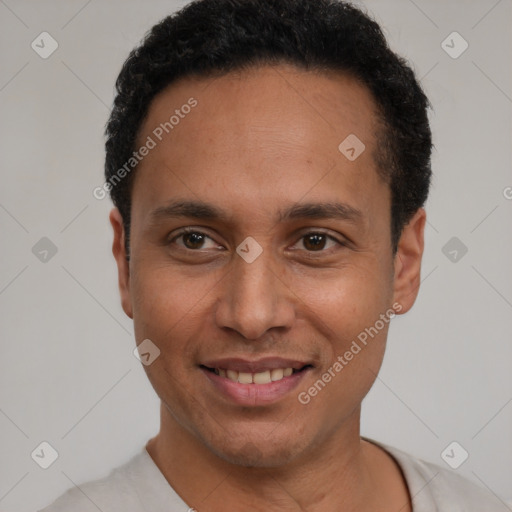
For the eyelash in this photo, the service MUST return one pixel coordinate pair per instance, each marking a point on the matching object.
(189, 230)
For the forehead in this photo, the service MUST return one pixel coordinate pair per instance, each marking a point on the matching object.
(273, 97)
(262, 131)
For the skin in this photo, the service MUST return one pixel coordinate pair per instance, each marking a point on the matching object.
(258, 142)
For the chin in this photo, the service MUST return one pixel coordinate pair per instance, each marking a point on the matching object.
(257, 453)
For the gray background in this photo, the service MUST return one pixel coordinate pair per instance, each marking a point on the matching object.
(67, 372)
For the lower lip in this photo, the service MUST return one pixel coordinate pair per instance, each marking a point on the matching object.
(255, 394)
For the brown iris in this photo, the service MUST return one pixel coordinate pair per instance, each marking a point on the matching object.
(315, 241)
(195, 240)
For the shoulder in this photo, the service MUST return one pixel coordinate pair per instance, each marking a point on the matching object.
(433, 487)
(111, 493)
(136, 485)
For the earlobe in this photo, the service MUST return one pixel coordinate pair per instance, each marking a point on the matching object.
(408, 262)
(123, 267)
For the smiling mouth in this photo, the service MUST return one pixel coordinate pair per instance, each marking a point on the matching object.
(265, 377)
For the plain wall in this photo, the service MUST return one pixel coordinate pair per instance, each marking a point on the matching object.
(67, 372)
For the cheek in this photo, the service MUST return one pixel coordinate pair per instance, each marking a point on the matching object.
(167, 304)
(347, 311)
(169, 308)
(344, 302)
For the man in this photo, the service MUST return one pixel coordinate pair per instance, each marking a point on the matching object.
(269, 161)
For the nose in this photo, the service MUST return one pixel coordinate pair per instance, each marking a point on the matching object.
(254, 298)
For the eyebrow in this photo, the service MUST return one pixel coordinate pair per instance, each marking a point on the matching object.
(205, 211)
(190, 209)
(323, 210)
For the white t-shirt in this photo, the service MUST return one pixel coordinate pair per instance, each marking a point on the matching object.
(139, 486)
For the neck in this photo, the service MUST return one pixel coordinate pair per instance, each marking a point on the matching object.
(339, 474)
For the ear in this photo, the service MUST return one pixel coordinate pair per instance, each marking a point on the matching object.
(408, 262)
(123, 266)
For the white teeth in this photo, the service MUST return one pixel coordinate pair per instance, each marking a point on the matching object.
(245, 378)
(262, 378)
(277, 374)
(255, 378)
(232, 375)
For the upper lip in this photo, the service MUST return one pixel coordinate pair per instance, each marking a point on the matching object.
(258, 366)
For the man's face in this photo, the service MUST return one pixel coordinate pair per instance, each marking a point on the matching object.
(257, 148)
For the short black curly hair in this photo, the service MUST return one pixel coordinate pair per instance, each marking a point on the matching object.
(213, 37)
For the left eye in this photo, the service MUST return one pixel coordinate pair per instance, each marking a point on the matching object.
(317, 241)
(194, 240)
